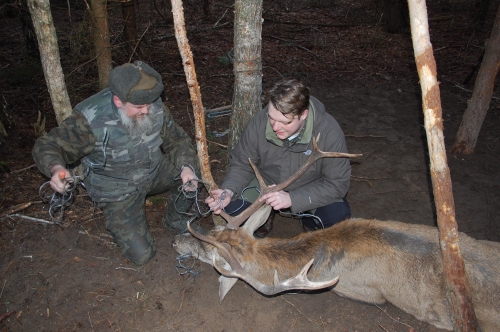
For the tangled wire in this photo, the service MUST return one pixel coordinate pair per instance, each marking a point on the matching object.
(58, 202)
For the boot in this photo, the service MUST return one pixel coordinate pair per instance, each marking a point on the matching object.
(266, 228)
(175, 219)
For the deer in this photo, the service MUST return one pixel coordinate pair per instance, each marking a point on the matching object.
(370, 261)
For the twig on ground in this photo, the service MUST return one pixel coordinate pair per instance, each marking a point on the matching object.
(7, 315)
(373, 151)
(32, 219)
(182, 301)
(397, 321)
(126, 268)
(10, 263)
(363, 136)
(383, 328)
(3, 288)
(470, 91)
(17, 208)
(276, 70)
(90, 320)
(217, 109)
(299, 311)
(93, 216)
(221, 145)
(217, 23)
(23, 169)
(355, 178)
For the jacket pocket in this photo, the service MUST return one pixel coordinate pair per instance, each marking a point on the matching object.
(120, 155)
(102, 188)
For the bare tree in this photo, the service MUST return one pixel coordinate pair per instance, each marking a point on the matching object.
(478, 105)
(129, 30)
(463, 316)
(49, 55)
(247, 66)
(101, 41)
(194, 92)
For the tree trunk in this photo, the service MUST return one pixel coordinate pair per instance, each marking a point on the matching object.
(101, 41)
(49, 55)
(194, 92)
(130, 31)
(478, 105)
(206, 9)
(482, 11)
(462, 311)
(395, 18)
(28, 30)
(247, 66)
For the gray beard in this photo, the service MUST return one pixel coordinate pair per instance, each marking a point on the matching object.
(136, 127)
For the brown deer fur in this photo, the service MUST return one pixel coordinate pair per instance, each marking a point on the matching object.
(377, 261)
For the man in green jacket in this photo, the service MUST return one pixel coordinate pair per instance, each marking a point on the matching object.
(129, 147)
(278, 140)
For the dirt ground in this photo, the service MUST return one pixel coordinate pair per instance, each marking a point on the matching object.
(72, 277)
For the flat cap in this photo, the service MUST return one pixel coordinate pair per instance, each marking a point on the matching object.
(136, 83)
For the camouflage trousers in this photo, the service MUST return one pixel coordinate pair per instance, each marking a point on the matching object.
(126, 220)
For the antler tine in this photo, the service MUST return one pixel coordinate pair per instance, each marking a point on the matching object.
(224, 248)
(299, 281)
(235, 222)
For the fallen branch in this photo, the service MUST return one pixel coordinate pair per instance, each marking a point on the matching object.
(32, 219)
(221, 145)
(331, 25)
(17, 208)
(23, 169)
(182, 301)
(363, 136)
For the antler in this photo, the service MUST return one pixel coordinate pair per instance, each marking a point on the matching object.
(300, 281)
(235, 222)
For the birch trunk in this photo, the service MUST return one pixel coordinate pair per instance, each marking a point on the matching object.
(478, 105)
(50, 58)
(101, 41)
(247, 66)
(462, 311)
(194, 92)
(130, 30)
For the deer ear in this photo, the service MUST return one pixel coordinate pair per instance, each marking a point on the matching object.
(225, 284)
(257, 219)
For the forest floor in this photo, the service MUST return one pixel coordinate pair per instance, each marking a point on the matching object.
(72, 277)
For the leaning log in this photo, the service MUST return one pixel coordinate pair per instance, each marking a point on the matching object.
(194, 92)
(463, 316)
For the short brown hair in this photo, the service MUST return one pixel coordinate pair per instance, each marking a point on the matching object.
(289, 96)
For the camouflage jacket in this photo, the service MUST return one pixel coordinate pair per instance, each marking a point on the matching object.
(116, 164)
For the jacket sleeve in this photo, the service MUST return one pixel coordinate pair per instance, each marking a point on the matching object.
(65, 144)
(335, 178)
(177, 144)
(240, 173)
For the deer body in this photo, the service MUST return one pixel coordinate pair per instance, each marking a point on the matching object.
(377, 261)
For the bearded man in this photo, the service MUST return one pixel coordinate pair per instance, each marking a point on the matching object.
(130, 147)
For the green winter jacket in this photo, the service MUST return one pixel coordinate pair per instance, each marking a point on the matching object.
(116, 165)
(325, 182)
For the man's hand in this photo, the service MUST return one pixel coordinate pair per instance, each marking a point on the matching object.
(214, 200)
(189, 178)
(60, 179)
(278, 200)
